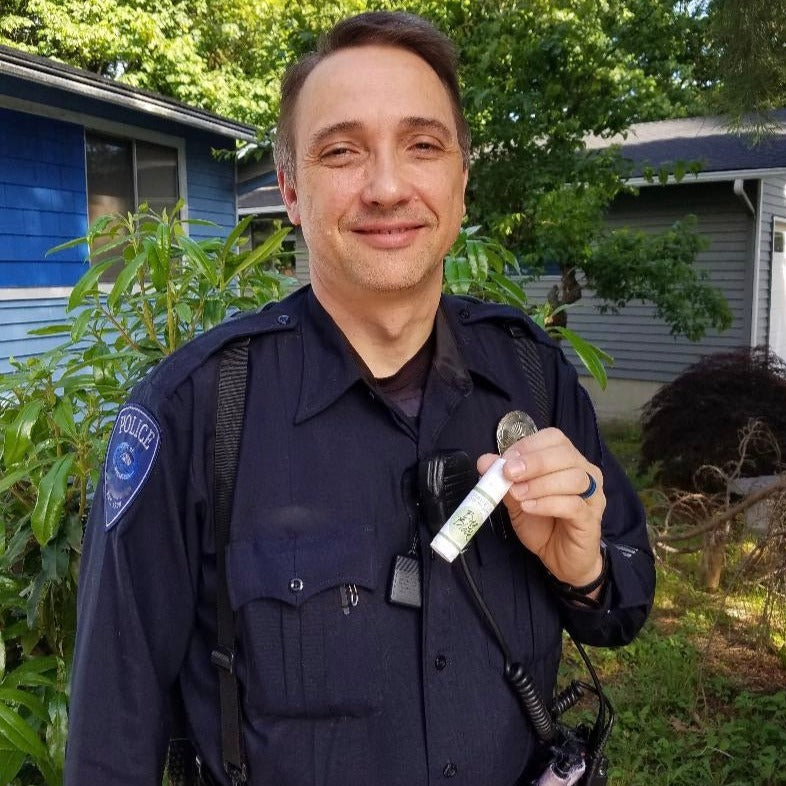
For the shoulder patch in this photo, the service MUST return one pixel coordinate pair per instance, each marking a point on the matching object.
(132, 451)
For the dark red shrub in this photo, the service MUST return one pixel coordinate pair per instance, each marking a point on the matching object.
(698, 419)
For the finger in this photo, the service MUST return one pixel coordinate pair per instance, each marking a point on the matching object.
(531, 464)
(568, 507)
(548, 437)
(486, 460)
(572, 480)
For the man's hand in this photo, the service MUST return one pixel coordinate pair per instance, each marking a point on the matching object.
(547, 512)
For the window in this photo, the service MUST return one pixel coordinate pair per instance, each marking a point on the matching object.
(124, 173)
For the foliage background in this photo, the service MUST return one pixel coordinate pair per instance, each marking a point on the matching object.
(538, 76)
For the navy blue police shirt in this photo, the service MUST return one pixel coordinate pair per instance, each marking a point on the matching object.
(338, 686)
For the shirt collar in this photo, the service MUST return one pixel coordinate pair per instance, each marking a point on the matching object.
(330, 368)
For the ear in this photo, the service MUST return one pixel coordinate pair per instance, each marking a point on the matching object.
(464, 190)
(289, 195)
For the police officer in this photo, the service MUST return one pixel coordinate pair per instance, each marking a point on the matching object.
(352, 384)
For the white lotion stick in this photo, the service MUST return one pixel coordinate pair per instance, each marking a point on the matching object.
(474, 509)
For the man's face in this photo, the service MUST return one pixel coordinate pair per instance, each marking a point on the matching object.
(379, 179)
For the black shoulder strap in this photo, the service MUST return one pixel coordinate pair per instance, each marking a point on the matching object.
(232, 374)
(527, 354)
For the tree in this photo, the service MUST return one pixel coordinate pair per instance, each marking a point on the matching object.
(538, 77)
(750, 41)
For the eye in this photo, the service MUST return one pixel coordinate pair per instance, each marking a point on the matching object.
(425, 147)
(337, 153)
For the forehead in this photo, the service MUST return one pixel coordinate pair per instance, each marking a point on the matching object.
(373, 86)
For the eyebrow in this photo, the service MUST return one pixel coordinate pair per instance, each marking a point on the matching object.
(410, 123)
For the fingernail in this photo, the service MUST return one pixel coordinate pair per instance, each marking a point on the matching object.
(516, 468)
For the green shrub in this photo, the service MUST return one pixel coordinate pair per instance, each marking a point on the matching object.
(56, 413)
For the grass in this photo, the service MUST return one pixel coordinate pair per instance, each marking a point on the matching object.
(700, 700)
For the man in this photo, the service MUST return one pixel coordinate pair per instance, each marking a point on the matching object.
(353, 384)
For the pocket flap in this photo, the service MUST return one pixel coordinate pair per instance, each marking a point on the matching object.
(292, 568)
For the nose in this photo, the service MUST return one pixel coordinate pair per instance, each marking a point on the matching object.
(387, 181)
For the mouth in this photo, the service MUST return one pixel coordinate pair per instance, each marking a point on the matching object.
(386, 229)
(388, 236)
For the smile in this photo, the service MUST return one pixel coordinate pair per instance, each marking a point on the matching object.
(389, 237)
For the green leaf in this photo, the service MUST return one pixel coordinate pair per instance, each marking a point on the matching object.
(593, 358)
(49, 330)
(125, 279)
(213, 313)
(51, 499)
(80, 325)
(509, 291)
(260, 253)
(32, 672)
(57, 729)
(87, 283)
(193, 252)
(183, 310)
(11, 762)
(2, 657)
(63, 416)
(21, 737)
(24, 699)
(234, 237)
(478, 260)
(17, 435)
(69, 244)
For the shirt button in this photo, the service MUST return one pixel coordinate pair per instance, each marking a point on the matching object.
(283, 319)
(450, 770)
(296, 585)
(464, 314)
(440, 662)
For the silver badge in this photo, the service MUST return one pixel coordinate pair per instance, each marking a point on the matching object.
(513, 427)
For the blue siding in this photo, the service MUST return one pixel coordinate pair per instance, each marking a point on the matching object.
(43, 200)
(17, 317)
(211, 186)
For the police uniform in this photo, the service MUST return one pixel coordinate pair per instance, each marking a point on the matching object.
(339, 687)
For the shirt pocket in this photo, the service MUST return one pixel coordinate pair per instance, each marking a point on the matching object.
(512, 583)
(306, 623)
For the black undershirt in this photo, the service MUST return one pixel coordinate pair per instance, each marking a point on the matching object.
(404, 389)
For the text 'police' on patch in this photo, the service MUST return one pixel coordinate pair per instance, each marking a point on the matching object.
(129, 459)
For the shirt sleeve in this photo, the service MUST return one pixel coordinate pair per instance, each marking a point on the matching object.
(629, 593)
(135, 601)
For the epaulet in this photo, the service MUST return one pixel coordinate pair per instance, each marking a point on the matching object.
(470, 310)
(173, 370)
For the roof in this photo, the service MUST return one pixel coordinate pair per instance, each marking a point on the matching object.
(723, 153)
(51, 73)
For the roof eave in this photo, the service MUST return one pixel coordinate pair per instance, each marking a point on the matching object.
(710, 177)
(51, 74)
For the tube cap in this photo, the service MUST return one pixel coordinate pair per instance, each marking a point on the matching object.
(445, 547)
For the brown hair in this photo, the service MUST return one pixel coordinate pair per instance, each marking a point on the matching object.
(391, 28)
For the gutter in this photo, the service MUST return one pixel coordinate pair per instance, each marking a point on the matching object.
(739, 191)
(711, 177)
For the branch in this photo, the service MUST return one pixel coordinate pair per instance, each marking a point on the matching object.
(723, 516)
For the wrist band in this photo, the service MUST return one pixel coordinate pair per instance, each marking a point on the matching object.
(581, 594)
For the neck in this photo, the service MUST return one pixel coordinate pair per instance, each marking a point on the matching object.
(386, 329)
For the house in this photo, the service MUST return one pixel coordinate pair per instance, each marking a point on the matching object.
(73, 146)
(739, 199)
(258, 195)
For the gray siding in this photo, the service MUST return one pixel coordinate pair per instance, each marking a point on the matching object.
(639, 342)
(773, 204)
